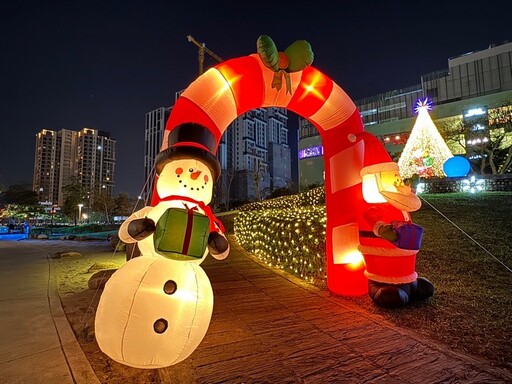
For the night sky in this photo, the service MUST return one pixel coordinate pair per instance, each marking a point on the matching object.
(103, 65)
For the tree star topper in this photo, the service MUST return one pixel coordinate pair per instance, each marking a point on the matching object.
(426, 104)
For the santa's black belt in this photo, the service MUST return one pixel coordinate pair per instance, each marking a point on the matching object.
(368, 234)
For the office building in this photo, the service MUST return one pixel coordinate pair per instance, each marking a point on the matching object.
(474, 83)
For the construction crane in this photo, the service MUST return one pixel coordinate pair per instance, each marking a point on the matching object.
(202, 50)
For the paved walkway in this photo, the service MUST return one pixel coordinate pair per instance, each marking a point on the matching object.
(272, 328)
(266, 327)
(37, 343)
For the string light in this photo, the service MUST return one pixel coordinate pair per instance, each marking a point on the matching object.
(296, 218)
(473, 185)
(425, 152)
(395, 138)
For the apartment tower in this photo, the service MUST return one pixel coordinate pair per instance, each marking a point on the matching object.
(87, 156)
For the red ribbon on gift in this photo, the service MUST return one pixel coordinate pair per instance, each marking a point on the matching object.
(215, 224)
(188, 230)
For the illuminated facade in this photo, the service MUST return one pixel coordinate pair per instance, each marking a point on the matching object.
(61, 156)
(311, 161)
(66, 153)
(476, 81)
(44, 181)
(95, 161)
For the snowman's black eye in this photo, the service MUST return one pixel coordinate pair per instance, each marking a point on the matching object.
(191, 170)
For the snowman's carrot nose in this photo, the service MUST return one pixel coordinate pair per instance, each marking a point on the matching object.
(195, 175)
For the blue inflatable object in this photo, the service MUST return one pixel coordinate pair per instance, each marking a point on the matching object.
(456, 166)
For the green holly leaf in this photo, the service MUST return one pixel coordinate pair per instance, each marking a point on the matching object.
(300, 55)
(268, 53)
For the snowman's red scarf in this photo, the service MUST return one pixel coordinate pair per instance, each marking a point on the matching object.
(215, 224)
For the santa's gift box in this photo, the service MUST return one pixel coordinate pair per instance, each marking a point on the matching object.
(409, 235)
(182, 234)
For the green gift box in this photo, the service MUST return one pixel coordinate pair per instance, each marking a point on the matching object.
(182, 234)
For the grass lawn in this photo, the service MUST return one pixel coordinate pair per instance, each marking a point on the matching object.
(84, 231)
(472, 307)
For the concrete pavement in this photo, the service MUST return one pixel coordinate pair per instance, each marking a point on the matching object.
(37, 343)
(267, 327)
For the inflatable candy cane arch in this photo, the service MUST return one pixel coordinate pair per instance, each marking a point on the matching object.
(287, 80)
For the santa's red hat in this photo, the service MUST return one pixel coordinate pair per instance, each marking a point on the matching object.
(190, 141)
(376, 158)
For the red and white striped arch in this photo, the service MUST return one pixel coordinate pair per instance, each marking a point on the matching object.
(239, 85)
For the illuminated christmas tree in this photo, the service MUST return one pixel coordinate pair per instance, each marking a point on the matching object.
(425, 152)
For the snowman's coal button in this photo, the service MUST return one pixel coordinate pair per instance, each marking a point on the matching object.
(170, 287)
(160, 326)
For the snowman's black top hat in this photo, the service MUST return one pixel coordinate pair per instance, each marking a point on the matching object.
(190, 141)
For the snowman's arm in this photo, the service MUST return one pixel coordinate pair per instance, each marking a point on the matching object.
(124, 230)
(218, 245)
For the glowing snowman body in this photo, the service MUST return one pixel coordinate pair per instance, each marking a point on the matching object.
(155, 311)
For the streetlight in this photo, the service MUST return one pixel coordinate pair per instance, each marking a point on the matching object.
(80, 212)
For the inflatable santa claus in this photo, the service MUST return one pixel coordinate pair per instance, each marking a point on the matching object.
(389, 240)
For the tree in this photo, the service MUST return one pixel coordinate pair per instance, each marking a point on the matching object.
(425, 151)
(124, 205)
(258, 175)
(19, 203)
(19, 195)
(486, 139)
(500, 124)
(105, 204)
(74, 195)
(230, 177)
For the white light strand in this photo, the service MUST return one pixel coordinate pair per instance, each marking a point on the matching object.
(473, 240)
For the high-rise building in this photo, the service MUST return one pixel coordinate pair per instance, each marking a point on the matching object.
(253, 152)
(87, 156)
(154, 131)
(254, 155)
(66, 157)
(44, 182)
(95, 161)
(472, 86)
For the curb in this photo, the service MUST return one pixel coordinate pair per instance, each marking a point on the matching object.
(78, 365)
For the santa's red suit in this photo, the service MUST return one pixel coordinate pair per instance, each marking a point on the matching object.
(389, 241)
(385, 262)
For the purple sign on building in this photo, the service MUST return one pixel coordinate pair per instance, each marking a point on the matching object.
(311, 152)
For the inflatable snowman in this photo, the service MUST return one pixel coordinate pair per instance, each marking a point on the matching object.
(156, 309)
(389, 240)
